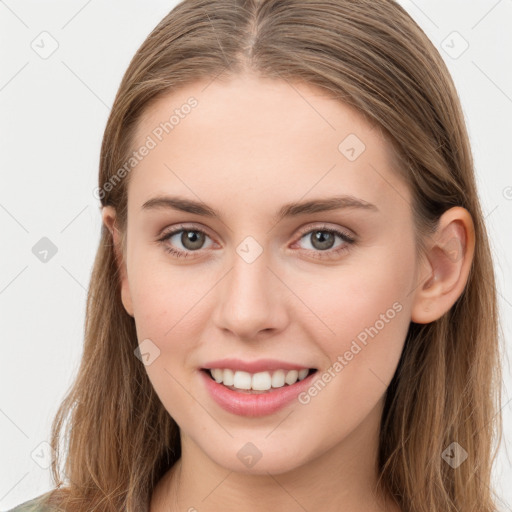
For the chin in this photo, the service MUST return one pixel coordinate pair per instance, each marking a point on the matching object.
(254, 459)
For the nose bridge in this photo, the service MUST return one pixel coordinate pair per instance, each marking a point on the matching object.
(250, 300)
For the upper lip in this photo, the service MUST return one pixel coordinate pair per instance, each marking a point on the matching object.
(259, 365)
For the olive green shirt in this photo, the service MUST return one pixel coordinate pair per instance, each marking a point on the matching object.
(34, 505)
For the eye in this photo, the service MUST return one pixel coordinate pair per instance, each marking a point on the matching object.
(191, 239)
(322, 239)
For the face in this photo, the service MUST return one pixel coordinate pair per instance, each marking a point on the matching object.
(315, 288)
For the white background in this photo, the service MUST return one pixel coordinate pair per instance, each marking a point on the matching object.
(53, 113)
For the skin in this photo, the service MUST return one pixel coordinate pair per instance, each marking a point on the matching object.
(250, 146)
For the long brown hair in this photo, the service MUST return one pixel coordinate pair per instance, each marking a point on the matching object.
(370, 54)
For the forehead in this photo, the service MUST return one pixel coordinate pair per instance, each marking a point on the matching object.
(263, 139)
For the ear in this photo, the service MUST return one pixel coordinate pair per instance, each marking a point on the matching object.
(108, 215)
(447, 264)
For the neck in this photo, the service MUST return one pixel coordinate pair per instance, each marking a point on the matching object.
(343, 478)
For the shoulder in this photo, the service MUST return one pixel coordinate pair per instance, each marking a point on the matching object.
(36, 504)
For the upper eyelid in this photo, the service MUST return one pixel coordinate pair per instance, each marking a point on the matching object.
(181, 227)
(325, 227)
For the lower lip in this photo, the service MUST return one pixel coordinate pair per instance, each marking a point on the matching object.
(261, 404)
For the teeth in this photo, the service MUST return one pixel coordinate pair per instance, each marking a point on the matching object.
(217, 374)
(278, 379)
(228, 378)
(303, 373)
(242, 380)
(291, 377)
(261, 381)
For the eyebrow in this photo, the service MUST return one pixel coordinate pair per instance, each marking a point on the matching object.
(293, 209)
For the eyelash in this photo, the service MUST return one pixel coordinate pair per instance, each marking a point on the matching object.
(327, 254)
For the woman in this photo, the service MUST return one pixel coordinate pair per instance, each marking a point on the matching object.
(293, 303)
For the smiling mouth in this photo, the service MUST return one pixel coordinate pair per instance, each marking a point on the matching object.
(261, 382)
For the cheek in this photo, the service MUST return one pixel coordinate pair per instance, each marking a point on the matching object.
(364, 310)
(163, 294)
(369, 313)
(165, 310)
(168, 311)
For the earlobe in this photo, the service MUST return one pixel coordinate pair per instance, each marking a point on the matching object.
(447, 265)
(109, 220)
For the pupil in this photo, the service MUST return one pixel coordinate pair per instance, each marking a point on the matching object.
(324, 239)
(192, 239)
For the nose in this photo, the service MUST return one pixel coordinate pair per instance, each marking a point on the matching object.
(251, 300)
